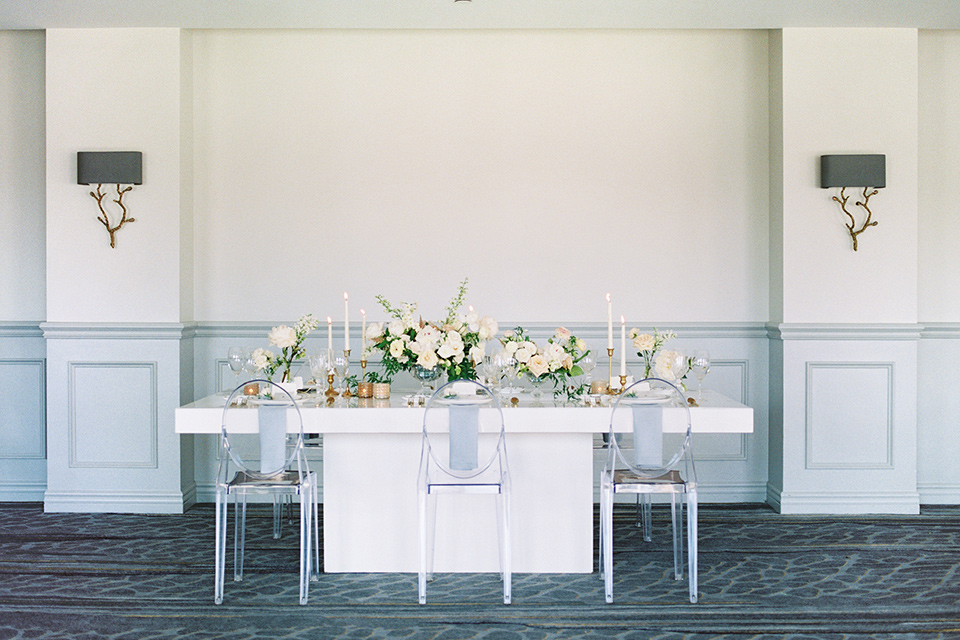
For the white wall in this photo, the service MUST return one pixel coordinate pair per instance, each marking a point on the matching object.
(549, 167)
(939, 208)
(827, 110)
(22, 259)
(109, 90)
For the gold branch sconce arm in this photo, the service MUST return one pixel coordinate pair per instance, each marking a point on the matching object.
(867, 172)
(110, 167)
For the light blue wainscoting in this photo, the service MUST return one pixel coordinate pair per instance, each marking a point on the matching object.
(23, 419)
(111, 394)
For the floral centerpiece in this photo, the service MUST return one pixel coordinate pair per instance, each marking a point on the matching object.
(455, 345)
(290, 341)
(557, 360)
(664, 363)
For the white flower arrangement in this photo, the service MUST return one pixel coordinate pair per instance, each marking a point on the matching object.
(647, 346)
(457, 344)
(290, 341)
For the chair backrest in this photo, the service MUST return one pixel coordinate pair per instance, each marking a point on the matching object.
(650, 430)
(253, 431)
(455, 418)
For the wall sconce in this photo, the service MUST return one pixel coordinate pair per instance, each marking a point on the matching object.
(110, 167)
(866, 171)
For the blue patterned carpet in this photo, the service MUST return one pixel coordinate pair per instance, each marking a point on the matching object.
(762, 575)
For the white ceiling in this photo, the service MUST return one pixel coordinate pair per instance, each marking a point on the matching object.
(479, 14)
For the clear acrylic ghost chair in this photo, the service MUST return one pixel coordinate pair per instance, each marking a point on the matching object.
(278, 470)
(639, 460)
(463, 451)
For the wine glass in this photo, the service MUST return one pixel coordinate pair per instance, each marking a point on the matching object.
(700, 366)
(340, 372)
(236, 356)
(319, 367)
(678, 366)
(249, 365)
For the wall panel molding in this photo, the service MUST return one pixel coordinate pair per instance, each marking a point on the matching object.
(17, 329)
(891, 331)
(20, 412)
(845, 416)
(117, 331)
(137, 450)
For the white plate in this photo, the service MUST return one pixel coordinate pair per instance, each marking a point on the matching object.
(267, 402)
(465, 401)
(648, 397)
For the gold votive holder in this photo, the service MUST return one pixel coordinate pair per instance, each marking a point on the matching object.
(381, 390)
(251, 389)
(365, 389)
(598, 387)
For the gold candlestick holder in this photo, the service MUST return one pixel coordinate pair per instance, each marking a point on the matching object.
(346, 375)
(623, 383)
(610, 390)
(331, 393)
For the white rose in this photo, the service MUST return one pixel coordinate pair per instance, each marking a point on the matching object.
(538, 365)
(511, 348)
(488, 328)
(554, 354)
(562, 334)
(428, 359)
(643, 342)
(666, 365)
(283, 336)
(396, 349)
(524, 352)
(395, 328)
(261, 358)
(374, 331)
(477, 352)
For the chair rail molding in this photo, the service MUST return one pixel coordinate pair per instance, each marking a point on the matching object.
(117, 331)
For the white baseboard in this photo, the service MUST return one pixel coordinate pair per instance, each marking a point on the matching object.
(22, 491)
(821, 502)
(113, 502)
(938, 493)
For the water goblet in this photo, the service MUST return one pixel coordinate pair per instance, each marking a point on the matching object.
(236, 356)
(319, 366)
(678, 366)
(340, 372)
(700, 366)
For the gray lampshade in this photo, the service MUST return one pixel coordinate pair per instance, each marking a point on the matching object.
(853, 171)
(109, 167)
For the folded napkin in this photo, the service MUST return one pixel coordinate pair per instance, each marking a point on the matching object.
(464, 434)
(648, 436)
(273, 437)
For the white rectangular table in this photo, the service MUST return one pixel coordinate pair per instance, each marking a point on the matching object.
(370, 462)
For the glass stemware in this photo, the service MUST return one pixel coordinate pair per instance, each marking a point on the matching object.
(700, 366)
(678, 366)
(319, 367)
(236, 357)
(340, 372)
(425, 376)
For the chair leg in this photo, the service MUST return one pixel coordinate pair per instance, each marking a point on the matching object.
(676, 527)
(644, 517)
(692, 542)
(422, 529)
(239, 535)
(305, 543)
(505, 551)
(607, 528)
(220, 544)
(278, 504)
(316, 531)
